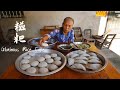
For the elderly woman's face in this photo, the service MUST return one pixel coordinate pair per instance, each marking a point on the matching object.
(67, 25)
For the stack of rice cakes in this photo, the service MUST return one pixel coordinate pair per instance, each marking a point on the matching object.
(85, 61)
(44, 64)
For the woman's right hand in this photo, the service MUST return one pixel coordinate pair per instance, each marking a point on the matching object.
(42, 40)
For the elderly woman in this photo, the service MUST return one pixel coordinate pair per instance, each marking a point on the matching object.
(64, 34)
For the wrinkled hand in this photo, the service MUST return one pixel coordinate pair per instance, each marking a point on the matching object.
(41, 41)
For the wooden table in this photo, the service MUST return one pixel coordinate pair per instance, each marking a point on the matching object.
(110, 72)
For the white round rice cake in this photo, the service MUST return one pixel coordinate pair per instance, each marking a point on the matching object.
(24, 61)
(25, 66)
(52, 67)
(42, 64)
(57, 58)
(53, 55)
(43, 70)
(49, 60)
(47, 56)
(31, 70)
(40, 59)
(58, 63)
(34, 63)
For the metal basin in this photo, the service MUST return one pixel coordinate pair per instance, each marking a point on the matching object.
(64, 47)
(34, 42)
(40, 52)
(80, 45)
(101, 58)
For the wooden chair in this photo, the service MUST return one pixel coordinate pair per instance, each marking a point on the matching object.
(106, 42)
(78, 34)
(88, 36)
(2, 40)
(10, 36)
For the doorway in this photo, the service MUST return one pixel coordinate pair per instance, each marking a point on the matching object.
(111, 25)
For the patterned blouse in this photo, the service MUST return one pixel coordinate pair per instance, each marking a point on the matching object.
(60, 37)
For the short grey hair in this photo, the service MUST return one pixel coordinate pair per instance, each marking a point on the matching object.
(68, 18)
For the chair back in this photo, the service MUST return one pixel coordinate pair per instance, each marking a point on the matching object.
(77, 30)
(108, 39)
(87, 33)
(10, 35)
(77, 33)
(106, 42)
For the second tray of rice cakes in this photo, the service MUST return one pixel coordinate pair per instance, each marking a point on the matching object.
(85, 61)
